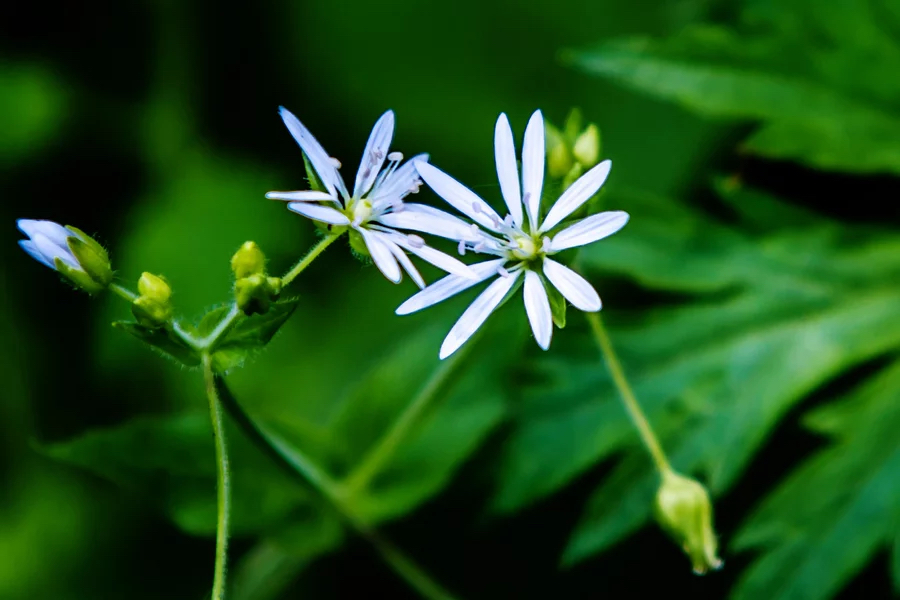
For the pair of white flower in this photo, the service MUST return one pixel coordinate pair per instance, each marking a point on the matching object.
(522, 241)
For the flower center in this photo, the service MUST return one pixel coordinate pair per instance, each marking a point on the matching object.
(361, 211)
(524, 247)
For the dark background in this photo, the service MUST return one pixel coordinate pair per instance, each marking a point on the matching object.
(154, 125)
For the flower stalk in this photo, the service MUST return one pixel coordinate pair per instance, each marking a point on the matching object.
(223, 480)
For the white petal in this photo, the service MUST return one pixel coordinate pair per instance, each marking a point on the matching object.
(596, 227)
(459, 196)
(374, 154)
(533, 166)
(449, 286)
(398, 184)
(537, 306)
(477, 313)
(317, 156)
(572, 285)
(381, 253)
(435, 257)
(407, 264)
(29, 247)
(317, 212)
(51, 251)
(303, 196)
(49, 229)
(507, 170)
(577, 194)
(427, 219)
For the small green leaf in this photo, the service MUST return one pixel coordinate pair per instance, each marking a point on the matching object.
(162, 340)
(257, 330)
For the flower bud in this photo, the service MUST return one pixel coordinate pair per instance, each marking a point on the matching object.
(153, 308)
(684, 510)
(248, 260)
(559, 157)
(587, 147)
(255, 294)
(69, 251)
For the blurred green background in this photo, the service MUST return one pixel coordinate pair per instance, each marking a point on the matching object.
(755, 298)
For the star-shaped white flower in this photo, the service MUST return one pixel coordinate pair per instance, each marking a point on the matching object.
(377, 195)
(522, 240)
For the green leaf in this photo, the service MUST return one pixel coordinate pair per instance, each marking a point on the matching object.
(806, 108)
(774, 315)
(839, 508)
(171, 462)
(164, 341)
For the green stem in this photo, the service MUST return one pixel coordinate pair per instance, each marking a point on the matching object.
(223, 480)
(304, 262)
(297, 463)
(384, 449)
(123, 292)
(209, 342)
(628, 399)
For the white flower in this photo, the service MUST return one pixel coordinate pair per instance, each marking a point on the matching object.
(377, 196)
(47, 242)
(522, 240)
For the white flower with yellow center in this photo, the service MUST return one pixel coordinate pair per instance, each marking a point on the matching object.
(377, 194)
(523, 241)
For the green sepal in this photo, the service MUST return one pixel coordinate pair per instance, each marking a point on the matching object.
(77, 277)
(162, 340)
(557, 305)
(93, 259)
(312, 177)
(358, 245)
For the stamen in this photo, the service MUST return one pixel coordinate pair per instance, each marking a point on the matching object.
(335, 162)
(367, 172)
(496, 221)
(476, 208)
(415, 241)
(397, 206)
(479, 246)
(526, 198)
(395, 156)
(502, 272)
(461, 248)
(508, 221)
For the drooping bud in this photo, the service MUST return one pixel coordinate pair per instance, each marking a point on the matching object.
(153, 307)
(248, 260)
(684, 510)
(587, 147)
(69, 251)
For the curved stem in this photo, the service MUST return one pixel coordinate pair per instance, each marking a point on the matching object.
(304, 262)
(223, 480)
(628, 399)
(123, 292)
(384, 449)
(228, 321)
(298, 464)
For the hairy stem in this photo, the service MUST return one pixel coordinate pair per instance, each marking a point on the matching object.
(313, 253)
(298, 464)
(628, 399)
(123, 292)
(223, 480)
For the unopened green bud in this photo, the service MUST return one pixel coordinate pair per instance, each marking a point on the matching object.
(684, 510)
(587, 147)
(559, 160)
(572, 126)
(255, 294)
(154, 287)
(248, 260)
(153, 308)
(71, 252)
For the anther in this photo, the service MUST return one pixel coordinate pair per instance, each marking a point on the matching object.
(461, 248)
(476, 208)
(395, 156)
(415, 241)
(502, 272)
(508, 221)
(335, 162)
(526, 197)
